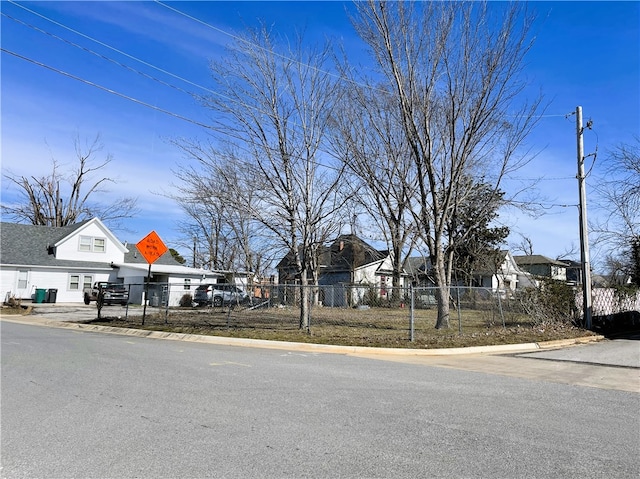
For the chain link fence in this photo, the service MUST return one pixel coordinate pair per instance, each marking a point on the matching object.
(615, 310)
(373, 314)
(398, 312)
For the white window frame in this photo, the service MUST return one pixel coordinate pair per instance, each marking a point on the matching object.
(74, 285)
(83, 282)
(85, 244)
(91, 244)
(99, 245)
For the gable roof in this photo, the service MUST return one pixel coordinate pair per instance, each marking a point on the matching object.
(346, 253)
(417, 265)
(30, 245)
(349, 252)
(537, 259)
(26, 246)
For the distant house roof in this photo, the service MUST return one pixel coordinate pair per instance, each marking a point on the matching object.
(23, 245)
(133, 256)
(346, 253)
(417, 265)
(538, 259)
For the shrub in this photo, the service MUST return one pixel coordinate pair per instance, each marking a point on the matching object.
(186, 301)
(552, 302)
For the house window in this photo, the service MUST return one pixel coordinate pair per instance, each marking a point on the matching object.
(187, 284)
(99, 245)
(91, 244)
(85, 243)
(76, 280)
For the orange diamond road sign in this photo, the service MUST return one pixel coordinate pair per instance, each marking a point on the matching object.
(151, 247)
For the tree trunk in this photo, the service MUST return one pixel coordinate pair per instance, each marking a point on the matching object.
(442, 293)
(305, 312)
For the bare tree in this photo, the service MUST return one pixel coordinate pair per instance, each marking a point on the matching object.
(618, 198)
(62, 199)
(370, 142)
(524, 246)
(270, 112)
(225, 236)
(453, 70)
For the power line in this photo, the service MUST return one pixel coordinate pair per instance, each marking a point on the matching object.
(150, 65)
(168, 112)
(255, 45)
(103, 88)
(235, 37)
(99, 55)
(226, 132)
(173, 75)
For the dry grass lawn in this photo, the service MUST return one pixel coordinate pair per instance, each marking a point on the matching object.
(375, 327)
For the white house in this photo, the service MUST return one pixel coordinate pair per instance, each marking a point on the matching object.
(543, 266)
(349, 263)
(64, 261)
(508, 277)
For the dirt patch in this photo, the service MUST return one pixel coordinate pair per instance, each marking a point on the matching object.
(19, 310)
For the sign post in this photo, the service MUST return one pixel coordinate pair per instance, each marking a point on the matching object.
(151, 248)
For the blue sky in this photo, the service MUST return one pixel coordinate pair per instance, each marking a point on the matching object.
(586, 54)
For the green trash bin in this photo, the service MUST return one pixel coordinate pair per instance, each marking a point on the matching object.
(40, 295)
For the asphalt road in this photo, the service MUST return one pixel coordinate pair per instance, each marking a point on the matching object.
(83, 404)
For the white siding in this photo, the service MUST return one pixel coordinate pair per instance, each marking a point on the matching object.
(49, 278)
(69, 248)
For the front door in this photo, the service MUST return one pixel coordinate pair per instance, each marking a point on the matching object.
(23, 287)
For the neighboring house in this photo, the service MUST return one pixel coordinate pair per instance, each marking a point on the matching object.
(353, 261)
(347, 262)
(542, 266)
(420, 272)
(507, 276)
(574, 272)
(71, 258)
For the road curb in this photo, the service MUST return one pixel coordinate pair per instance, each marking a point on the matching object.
(305, 347)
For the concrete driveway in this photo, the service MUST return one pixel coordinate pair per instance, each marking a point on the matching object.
(76, 312)
(617, 352)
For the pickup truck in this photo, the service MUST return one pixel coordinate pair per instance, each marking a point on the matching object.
(112, 293)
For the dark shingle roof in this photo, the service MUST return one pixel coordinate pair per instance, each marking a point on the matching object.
(134, 256)
(346, 253)
(22, 244)
(537, 259)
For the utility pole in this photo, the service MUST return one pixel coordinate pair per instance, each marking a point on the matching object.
(584, 236)
(194, 251)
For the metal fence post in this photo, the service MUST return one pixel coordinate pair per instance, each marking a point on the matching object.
(126, 308)
(500, 308)
(411, 317)
(166, 303)
(459, 312)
